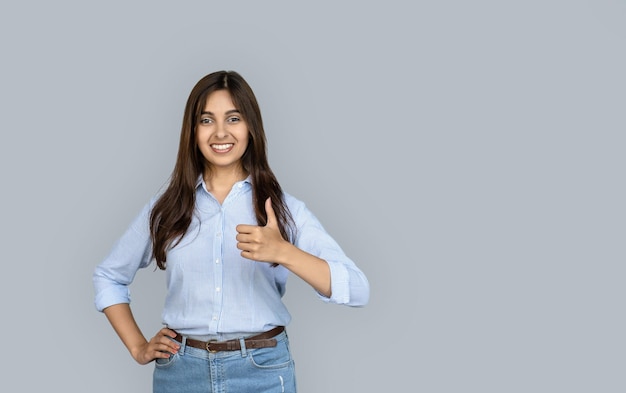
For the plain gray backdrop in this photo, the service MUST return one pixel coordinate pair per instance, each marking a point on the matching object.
(468, 155)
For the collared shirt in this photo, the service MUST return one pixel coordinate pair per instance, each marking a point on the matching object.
(211, 288)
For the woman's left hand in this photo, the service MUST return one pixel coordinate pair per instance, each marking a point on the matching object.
(262, 243)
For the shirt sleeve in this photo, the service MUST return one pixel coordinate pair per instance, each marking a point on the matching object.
(116, 272)
(349, 285)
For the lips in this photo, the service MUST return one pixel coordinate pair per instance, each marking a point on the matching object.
(222, 148)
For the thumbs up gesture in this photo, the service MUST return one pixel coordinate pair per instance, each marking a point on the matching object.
(262, 243)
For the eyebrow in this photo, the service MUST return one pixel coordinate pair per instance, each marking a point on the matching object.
(230, 112)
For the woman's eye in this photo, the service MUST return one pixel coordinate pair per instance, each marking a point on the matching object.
(205, 121)
(233, 119)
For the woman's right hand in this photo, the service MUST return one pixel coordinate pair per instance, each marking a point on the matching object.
(161, 346)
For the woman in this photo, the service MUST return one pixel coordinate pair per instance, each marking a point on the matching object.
(227, 237)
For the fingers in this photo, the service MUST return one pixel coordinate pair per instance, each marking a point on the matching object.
(241, 228)
(247, 248)
(169, 332)
(269, 211)
(247, 239)
(161, 346)
(244, 236)
(163, 341)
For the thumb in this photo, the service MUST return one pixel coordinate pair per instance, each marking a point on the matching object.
(271, 216)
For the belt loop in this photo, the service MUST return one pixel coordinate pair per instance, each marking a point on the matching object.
(183, 345)
(242, 344)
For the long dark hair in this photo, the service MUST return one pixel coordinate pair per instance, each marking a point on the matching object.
(173, 211)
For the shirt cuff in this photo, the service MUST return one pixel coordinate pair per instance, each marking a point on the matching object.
(111, 296)
(339, 284)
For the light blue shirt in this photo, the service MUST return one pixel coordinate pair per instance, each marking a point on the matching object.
(211, 288)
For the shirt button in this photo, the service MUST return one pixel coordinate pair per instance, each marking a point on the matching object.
(217, 261)
(218, 289)
(218, 234)
(215, 318)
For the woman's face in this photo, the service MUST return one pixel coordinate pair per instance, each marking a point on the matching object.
(222, 134)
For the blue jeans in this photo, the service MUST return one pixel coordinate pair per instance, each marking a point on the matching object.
(193, 370)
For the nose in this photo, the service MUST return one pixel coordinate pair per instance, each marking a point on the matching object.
(221, 132)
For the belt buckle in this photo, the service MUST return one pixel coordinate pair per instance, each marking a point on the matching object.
(208, 344)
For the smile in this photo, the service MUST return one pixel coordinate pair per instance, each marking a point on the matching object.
(223, 147)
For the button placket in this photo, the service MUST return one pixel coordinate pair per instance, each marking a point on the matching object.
(217, 271)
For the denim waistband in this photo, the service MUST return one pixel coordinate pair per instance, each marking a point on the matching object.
(204, 354)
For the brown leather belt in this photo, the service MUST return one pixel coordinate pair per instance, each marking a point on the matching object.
(263, 340)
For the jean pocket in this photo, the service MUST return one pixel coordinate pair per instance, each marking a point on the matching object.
(271, 358)
(166, 362)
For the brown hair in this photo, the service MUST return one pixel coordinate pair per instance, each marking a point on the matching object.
(173, 211)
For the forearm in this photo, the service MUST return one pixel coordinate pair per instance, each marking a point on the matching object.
(313, 270)
(121, 318)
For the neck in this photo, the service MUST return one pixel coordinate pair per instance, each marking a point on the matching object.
(223, 179)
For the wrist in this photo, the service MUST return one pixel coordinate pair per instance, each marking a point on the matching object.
(291, 256)
(136, 350)
(285, 253)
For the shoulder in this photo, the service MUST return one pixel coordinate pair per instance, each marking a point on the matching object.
(299, 211)
(294, 204)
(149, 206)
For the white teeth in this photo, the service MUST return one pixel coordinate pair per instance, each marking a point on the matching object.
(222, 147)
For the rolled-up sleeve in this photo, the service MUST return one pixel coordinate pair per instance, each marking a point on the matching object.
(112, 277)
(349, 285)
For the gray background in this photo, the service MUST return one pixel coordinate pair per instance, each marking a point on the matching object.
(468, 156)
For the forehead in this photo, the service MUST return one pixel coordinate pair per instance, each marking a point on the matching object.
(219, 101)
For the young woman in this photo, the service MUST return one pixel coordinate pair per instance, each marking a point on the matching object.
(227, 237)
